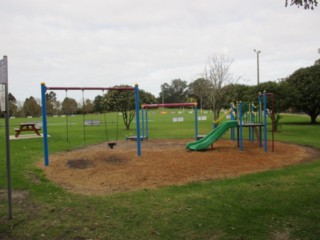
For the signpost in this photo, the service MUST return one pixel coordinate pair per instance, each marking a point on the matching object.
(4, 101)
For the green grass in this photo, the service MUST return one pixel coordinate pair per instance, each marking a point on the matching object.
(278, 204)
(295, 127)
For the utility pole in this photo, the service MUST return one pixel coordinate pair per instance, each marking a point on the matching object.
(258, 74)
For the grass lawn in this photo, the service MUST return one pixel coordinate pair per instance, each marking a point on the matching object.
(278, 204)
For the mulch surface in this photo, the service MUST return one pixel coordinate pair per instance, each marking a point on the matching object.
(99, 170)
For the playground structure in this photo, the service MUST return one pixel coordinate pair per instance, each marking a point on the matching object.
(44, 89)
(243, 115)
(254, 117)
(145, 118)
(99, 169)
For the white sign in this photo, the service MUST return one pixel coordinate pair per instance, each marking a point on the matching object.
(177, 119)
(202, 118)
(4, 70)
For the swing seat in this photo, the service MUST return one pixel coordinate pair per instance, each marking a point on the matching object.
(111, 144)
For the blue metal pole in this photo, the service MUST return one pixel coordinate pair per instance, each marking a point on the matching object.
(142, 122)
(253, 120)
(136, 95)
(240, 118)
(265, 121)
(44, 124)
(248, 114)
(196, 120)
(260, 118)
(232, 118)
(147, 125)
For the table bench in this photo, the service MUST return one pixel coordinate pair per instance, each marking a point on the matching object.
(26, 127)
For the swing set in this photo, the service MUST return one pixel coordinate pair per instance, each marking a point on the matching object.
(44, 89)
(92, 122)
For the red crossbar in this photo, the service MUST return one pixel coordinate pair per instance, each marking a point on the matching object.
(91, 88)
(169, 105)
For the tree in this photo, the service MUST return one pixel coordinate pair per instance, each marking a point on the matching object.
(217, 72)
(98, 104)
(31, 107)
(241, 92)
(304, 91)
(124, 102)
(13, 109)
(176, 92)
(69, 106)
(88, 106)
(307, 4)
(51, 103)
(121, 101)
(281, 103)
(146, 97)
(197, 90)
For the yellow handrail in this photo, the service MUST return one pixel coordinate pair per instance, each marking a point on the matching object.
(223, 116)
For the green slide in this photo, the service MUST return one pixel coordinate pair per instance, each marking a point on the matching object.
(213, 136)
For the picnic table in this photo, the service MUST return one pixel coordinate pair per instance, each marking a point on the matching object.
(24, 127)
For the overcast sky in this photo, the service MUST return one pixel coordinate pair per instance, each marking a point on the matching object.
(102, 43)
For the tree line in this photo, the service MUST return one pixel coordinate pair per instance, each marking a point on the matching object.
(300, 92)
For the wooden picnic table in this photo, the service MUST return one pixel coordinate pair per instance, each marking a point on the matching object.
(24, 127)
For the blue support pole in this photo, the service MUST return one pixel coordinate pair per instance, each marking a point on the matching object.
(44, 124)
(147, 125)
(240, 122)
(232, 118)
(253, 120)
(265, 121)
(196, 121)
(260, 120)
(142, 122)
(137, 107)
